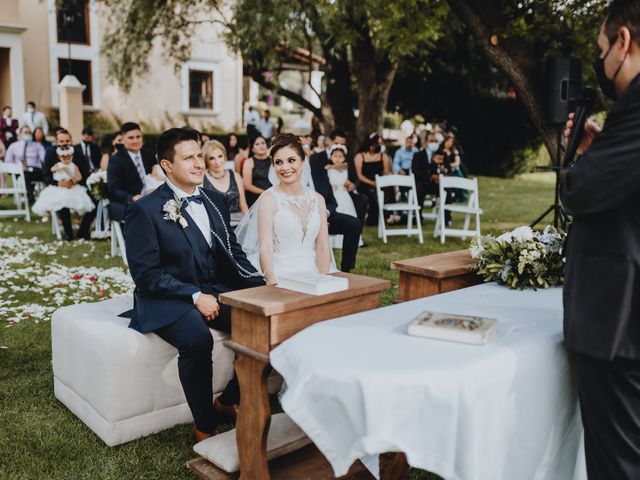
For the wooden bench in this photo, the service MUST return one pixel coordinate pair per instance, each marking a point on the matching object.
(262, 318)
(442, 272)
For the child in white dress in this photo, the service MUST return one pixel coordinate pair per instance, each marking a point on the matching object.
(54, 198)
(338, 173)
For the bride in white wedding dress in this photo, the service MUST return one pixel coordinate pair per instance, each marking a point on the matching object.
(286, 230)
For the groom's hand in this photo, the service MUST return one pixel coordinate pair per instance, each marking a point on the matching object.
(208, 306)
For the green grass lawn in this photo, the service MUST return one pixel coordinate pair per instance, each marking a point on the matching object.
(40, 438)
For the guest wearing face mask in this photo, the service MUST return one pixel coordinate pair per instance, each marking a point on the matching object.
(35, 119)
(31, 155)
(422, 169)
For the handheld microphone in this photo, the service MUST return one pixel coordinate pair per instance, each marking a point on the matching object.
(584, 106)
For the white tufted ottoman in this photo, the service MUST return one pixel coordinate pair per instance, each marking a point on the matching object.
(122, 384)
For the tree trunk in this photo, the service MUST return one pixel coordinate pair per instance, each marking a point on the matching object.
(531, 98)
(339, 95)
(374, 78)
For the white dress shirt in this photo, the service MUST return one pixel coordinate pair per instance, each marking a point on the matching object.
(199, 214)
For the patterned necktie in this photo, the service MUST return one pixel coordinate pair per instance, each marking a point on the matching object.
(138, 163)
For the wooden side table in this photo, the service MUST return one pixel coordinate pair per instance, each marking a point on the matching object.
(443, 272)
(262, 318)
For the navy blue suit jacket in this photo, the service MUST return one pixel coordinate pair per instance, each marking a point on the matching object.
(166, 264)
(124, 180)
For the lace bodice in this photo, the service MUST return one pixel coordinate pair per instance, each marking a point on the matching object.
(337, 178)
(296, 223)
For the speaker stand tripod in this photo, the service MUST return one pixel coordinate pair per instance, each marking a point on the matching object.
(560, 217)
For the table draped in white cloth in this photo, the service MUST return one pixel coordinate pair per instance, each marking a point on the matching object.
(360, 386)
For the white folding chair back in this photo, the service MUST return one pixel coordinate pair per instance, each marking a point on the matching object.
(410, 206)
(472, 208)
(18, 189)
(117, 241)
(55, 225)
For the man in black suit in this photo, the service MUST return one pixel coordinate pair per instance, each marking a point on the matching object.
(182, 254)
(63, 140)
(89, 150)
(601, 189)
(126, 171)
(423, 169)
(339, 223)
(360, 202)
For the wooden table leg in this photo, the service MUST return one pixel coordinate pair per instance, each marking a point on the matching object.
(254, 418)
(394, 466)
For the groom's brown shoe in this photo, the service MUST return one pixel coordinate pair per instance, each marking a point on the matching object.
(199, 436)
(229, 411)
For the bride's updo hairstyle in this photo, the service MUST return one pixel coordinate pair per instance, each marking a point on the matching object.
(286, 140)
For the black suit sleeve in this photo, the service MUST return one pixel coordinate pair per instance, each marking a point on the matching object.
(608, 175)
(419, 166)
(116, 179)
(50, 159)
(83, 165)
(143, 253)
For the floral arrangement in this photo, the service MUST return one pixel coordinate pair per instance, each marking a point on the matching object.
(522, 258)
(172, 209)
(97, 184)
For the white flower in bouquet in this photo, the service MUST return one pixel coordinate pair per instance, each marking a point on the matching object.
(97, 184)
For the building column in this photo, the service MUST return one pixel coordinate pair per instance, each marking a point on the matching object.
(71, 112)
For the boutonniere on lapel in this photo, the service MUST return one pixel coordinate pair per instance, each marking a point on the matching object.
(172, 211)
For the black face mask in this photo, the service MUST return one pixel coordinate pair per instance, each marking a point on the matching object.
(606, 84)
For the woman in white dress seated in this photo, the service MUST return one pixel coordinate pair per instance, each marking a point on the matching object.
(54, 198)
(290, 234)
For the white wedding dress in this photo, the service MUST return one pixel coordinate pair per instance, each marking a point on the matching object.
(296, 226)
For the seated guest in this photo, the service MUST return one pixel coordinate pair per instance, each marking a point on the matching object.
(339, 223)
(421, 168)
(63, 140)
(39, 137)
(360, 201)
(8, 127)
(404, 156)
(440, 166)
(255, 171)
(31, 155)
(233, 147)
(369, 162)
(337, 171)
(109, 146)
(89, 150)
(226, 182)
(453, 158)
(127, 170)
(68, 195)
(319, 144)
(180, 272)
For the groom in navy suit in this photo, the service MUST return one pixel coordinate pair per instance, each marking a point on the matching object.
(182, 254)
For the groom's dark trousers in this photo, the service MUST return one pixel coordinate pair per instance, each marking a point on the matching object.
(169, 264)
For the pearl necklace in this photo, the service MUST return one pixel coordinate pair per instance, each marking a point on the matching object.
(227, 245)
(220, 177)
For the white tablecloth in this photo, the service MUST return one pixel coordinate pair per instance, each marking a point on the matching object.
(359, 386)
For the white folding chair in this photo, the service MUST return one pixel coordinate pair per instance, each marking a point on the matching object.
(472, 208)
(103, 225)
(18, 189)
(410, 206)
(117, 241)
